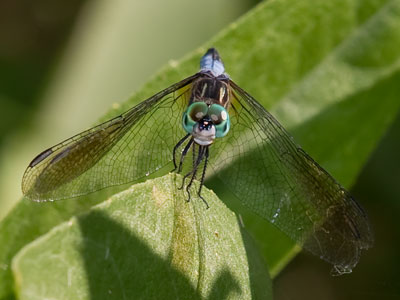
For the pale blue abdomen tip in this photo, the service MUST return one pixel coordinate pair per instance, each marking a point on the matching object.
(211, 61)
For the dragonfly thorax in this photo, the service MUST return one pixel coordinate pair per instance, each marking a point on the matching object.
(210, 89)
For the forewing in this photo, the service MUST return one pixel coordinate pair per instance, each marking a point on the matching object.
(275, 178)
(121, 150)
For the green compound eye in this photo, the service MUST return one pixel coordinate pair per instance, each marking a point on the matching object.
(220, 118)
(194, 113)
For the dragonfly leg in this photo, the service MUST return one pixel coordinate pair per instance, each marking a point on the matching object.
(202, 177)
(194, 155)
(194, 171)
(175, 148)
(184, 152)
(195, 166)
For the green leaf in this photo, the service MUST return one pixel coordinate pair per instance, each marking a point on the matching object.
(329, 72)
(146, 242)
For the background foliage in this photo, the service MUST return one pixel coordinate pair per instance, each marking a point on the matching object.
(327, 70)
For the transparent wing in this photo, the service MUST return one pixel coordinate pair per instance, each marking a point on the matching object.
(275, 178)
(121, 150)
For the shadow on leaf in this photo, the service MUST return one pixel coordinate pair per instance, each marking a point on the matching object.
(121, 266)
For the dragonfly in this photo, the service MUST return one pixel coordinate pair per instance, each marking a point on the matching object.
(206, 121)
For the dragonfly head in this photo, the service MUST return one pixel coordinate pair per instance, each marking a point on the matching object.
(206, 122)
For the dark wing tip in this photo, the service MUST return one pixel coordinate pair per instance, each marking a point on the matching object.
(40, 157)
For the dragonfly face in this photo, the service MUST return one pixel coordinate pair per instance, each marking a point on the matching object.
(251, 153)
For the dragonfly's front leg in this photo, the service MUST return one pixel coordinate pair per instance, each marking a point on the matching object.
(174, 151)
(203, 176)
(184, 152)
(193, 171)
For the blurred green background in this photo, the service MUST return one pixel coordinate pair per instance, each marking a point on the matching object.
(55, 64)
